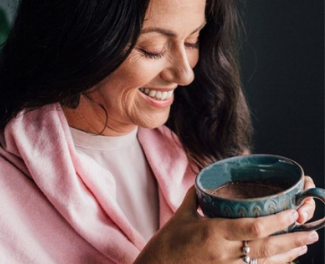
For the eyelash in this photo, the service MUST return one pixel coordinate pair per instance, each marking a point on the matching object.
(192, 45)
(152, 55)
(159, 55)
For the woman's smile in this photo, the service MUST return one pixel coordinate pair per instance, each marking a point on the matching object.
(159, 98)
(157, 94)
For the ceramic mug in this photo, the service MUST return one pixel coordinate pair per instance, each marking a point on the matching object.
(253, 186)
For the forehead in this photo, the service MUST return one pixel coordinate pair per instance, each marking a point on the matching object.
(175, 13)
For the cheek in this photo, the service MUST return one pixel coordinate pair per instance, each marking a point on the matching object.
(137, 72)
(124, 83)
(121, 88)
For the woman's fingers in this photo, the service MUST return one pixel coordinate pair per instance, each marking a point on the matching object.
(286, 257)
(280, 244)
(309, 183)
(306, 211)
(255, 228)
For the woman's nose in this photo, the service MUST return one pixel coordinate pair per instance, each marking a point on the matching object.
(179, 69)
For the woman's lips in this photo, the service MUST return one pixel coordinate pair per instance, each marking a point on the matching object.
(157, 94)
(158, 98)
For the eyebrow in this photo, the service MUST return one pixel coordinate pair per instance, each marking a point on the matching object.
(167, 32)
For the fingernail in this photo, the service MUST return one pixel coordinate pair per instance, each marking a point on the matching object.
(303, 250)
(294, 216)
(313, 237)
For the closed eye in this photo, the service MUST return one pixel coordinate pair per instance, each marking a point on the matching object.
(192, 45)
(152, 55)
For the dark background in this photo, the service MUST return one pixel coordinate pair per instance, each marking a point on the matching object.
(282, 58)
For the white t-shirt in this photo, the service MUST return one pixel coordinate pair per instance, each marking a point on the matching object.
(124, 158)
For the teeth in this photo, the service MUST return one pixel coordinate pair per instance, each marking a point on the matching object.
(157, 94)
(152, 93)
(164, 95)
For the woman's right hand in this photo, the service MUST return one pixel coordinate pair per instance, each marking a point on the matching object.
(189, 238)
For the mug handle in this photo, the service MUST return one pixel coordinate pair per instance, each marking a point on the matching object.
(318, 193)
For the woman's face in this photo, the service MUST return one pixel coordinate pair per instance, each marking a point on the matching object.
(141, 91)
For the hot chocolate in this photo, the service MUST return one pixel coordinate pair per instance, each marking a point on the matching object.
(244, 190)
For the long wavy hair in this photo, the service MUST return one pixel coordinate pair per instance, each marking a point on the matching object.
(211, 116)
(58, 49)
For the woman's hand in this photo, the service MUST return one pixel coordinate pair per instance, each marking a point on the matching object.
(306, 211)
(189, 238)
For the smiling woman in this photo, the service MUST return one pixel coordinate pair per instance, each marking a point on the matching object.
(108, 109)
(140, 91)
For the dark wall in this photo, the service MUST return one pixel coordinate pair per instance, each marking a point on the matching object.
(283, 78)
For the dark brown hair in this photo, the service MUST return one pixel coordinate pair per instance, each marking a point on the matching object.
(211, 116)
(59, 49)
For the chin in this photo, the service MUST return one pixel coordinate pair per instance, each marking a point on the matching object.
(154, 123)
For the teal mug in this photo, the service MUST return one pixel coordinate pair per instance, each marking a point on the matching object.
(253, 186)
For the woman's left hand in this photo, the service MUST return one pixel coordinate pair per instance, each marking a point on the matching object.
(306, 211)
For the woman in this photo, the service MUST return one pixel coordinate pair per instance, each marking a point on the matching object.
(89, 172)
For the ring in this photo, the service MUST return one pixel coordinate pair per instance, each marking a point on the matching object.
(246, 258)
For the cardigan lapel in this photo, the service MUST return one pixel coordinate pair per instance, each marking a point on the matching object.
(170, 166)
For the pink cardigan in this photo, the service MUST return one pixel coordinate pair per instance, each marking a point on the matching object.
(54, 205)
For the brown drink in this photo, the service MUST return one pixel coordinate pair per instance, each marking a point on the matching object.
(244, 190)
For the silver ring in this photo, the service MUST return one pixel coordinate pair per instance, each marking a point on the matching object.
(246, 258)
(246, 250)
